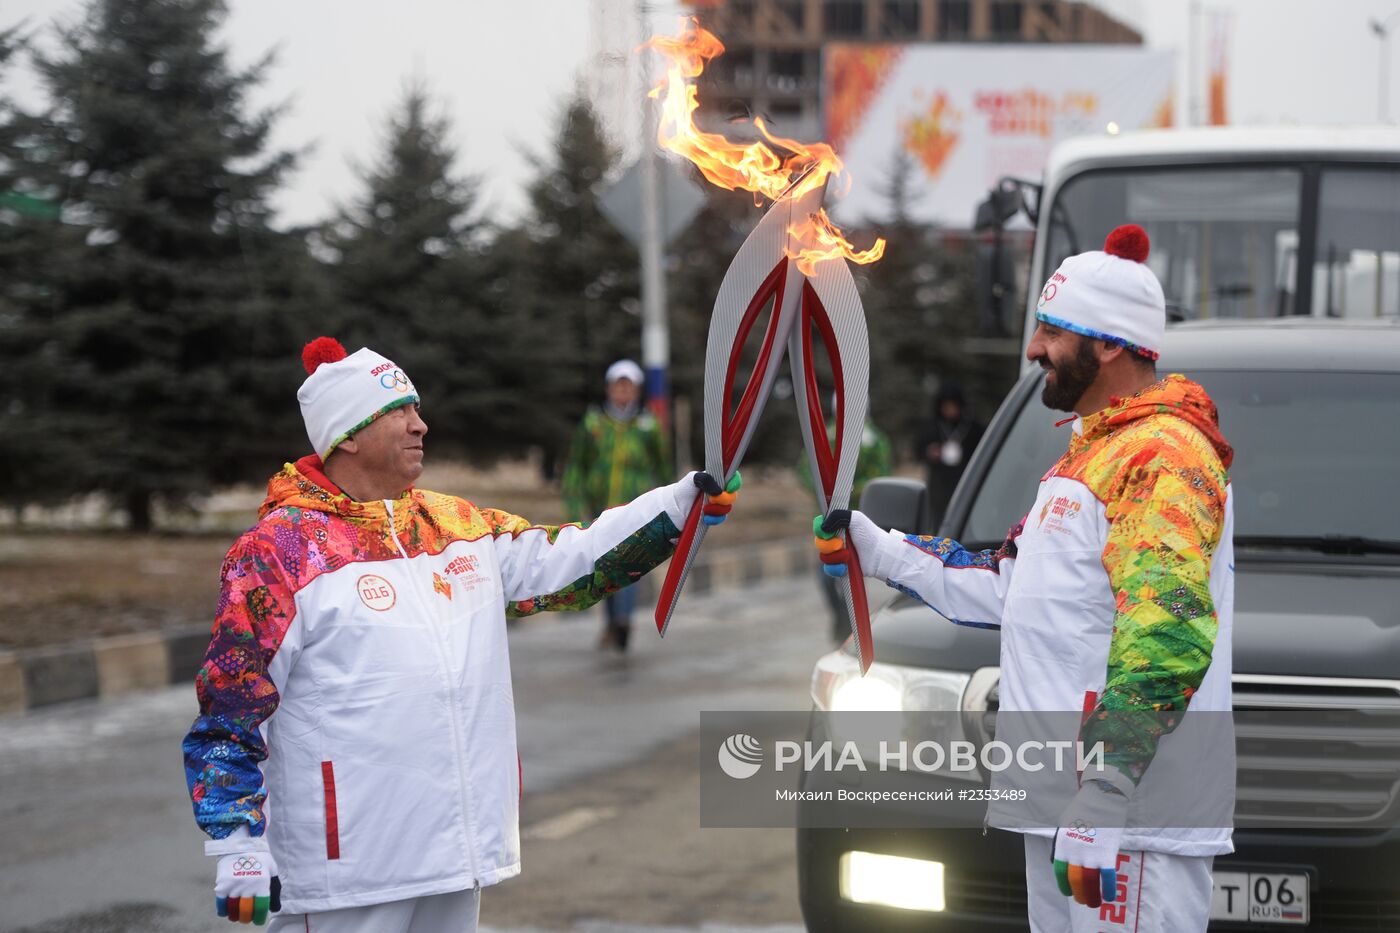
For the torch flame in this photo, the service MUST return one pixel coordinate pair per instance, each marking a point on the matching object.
(755, 166)
(830, 243)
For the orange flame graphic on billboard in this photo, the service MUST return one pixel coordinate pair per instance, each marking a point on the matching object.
(932, 135)
(754, 166)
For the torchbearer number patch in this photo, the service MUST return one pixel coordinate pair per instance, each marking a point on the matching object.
(376, 592)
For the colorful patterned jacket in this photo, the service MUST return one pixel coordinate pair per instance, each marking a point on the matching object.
(356, 713)
(612, 461)
(1114, 595)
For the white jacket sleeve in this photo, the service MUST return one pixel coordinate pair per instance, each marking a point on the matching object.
(966, 587)
(571, 567)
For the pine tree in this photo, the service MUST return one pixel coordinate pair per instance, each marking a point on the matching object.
(919, 309)
(167, 336)
(575, 288)
(36, 465)
(415, 271)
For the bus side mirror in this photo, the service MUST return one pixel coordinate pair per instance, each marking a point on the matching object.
(995, 285)
(1003, 202)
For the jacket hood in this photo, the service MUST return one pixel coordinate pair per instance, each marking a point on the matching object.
(1175, 395)
(303, 485)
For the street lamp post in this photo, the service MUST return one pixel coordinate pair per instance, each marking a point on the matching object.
(1381, 29)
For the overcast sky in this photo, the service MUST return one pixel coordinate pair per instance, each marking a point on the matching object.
(502, 71)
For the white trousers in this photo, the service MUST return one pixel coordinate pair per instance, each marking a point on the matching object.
(1157, 893)
(439, 913)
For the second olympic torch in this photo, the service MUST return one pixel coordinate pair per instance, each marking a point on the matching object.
(794, 262)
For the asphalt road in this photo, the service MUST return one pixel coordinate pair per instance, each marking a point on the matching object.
(99, 836)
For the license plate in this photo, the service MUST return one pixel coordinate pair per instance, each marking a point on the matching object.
(1260, 897)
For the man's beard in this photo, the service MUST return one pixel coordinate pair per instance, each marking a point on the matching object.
(1072, 378)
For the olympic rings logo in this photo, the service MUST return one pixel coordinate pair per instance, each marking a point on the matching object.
(1083, 828)
(1048, 294)
(247, 863)
(395, 380)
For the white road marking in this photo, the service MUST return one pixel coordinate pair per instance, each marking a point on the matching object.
(568, 823)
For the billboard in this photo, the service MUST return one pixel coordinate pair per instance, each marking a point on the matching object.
(966, 115)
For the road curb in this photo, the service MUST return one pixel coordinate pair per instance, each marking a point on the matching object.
(59, 673)
(13, 697)
(144, 661)
(131, 663)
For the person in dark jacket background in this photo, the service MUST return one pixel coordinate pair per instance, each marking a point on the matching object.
(945, 445)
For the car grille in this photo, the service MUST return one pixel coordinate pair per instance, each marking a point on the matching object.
(1311, 751)
(1323, 751)
(1356, 911)
(987, 894)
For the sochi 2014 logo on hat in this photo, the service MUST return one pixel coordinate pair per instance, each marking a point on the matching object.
(1051, 289)
(391, 377)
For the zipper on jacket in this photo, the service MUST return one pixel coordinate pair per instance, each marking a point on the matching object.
(446, 665)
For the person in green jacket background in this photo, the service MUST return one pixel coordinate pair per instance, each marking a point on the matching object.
(619, 452)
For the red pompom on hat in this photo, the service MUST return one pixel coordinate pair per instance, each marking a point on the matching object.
(342, 397)
(321, 350)
(1097, 294)
(1128, 242)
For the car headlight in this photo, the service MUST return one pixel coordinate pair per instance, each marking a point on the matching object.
(891, 881)
(873, 694)
(837, 686)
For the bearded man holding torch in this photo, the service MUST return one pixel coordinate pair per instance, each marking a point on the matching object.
(1114, 595)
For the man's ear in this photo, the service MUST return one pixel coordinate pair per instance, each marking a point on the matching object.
(1110, 351)
(349, 445)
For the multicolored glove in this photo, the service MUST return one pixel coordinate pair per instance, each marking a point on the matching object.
(861, 534)
(246, 886)
(718, 501)
(1085, 854)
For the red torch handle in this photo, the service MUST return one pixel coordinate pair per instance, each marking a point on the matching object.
(864, 640)
(675, 573)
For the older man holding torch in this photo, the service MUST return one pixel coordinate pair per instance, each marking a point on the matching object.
(356, 739)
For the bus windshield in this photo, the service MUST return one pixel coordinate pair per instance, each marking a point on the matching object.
(1224, 240)
(1230, 242)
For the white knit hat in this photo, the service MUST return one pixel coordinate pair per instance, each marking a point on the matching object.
(1109, 295)
(343, 393)
(624, 369)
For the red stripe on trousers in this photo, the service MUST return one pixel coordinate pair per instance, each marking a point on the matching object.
(1142, 876)
(332, 820)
